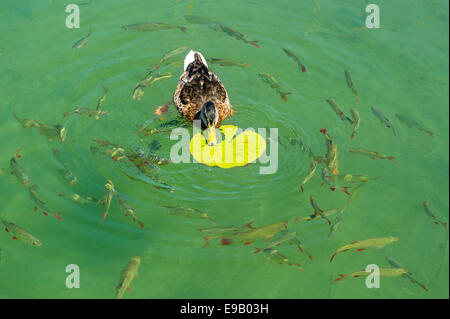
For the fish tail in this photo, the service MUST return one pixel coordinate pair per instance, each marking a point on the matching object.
(17, 155)
(341, 276)
(57, 215)
(423, 286)
(283, 95)
(345, 190)
(332, 257)
(254, 43)
(257, 250)
(206, 241)
(353, 135)
(301, 188)
(249, 225)
(103, 217)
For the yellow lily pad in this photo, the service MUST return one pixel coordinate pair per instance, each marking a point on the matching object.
(232, 151)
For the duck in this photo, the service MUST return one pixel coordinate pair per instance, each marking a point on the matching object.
(201, 96)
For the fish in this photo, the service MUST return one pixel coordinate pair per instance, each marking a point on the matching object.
(128, 210)
(338, 110)
(21, 234)
(335, 226)
(222, 230)
(248, 236)
(138, 91)
(26, 123)
(89, 112)
(356, 120)
(40, 203)
(317, 209)
(372, 154)
(82, 42)
(102, 99)
(295, 58)
(150, 158)
(329, 180)
(298, 141)
(57, 131)
(127, 275)
(49, 131)
(383, 118)
(274, 84)
(151, 26)
(312, 170)
(187, 212)
(360, 245)
(384, 272)
(110, 192)
(66, 173)
(352, 197)
(275, 255)
(409, 122)
(350, 84)
(81, 199)
(331, 158)
(408, 274)
(18, 171)
(349, 178)
(326, 213)
(169, 54)
(430, 213)
(225, 62)
(289, 237)
(163, 108)
(239, 36)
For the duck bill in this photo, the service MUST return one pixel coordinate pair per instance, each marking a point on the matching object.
(211, 135)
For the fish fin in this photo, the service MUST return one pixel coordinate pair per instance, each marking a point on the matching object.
(340, 277)
(361, 249)
(225, 241)
(249, 225)
(301, 188)
(15, 238)
(283, 96)
(104, 216)
(303, 69)
(257, 250)
(128, 288)
(248, 243)
(35, 208)
(6, 229)
(45, 213)
(332, 189)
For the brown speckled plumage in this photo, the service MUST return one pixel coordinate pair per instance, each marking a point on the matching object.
(198, 85)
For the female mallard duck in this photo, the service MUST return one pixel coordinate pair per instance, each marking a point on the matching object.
(201, 96)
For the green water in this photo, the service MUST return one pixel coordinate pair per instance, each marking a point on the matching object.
(400, 68)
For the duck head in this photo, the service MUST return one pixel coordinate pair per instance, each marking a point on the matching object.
(208, 117)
